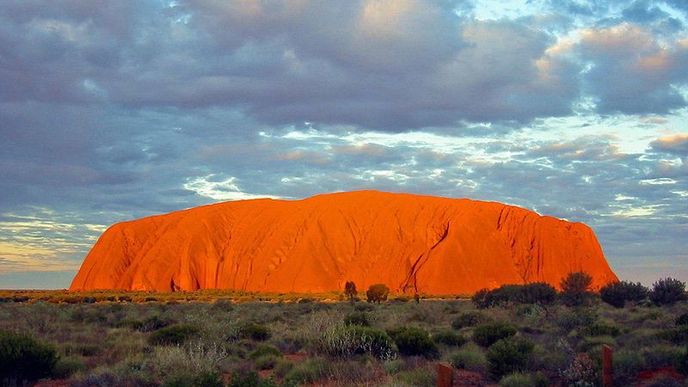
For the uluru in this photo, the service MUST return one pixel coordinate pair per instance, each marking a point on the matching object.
(412, 243)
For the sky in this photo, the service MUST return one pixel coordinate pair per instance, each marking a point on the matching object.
(114, 110)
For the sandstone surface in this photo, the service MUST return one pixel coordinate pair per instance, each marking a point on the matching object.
(412, 243)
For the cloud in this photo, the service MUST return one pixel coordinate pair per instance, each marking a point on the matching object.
(631, 72)
(675, 144)
(118, 111)
(216, 188)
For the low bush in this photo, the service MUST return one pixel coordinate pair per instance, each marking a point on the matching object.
(265, 362)
(265, 350)
(601, 329)
(202, 379)
(617, 294)
(24, 359)
(626, 366)
(377, 293)
(68, 366)
(487, 334)
(661, 356)
(249, 379)
(308, 371)
(150, 324)
(357, 318)
(412, 341)
(481, 299)
(253, 331)
(678, 335)
(524, 380)
(468, 319)
(533, 293)
(568, 319)
(682, 320)
(668, 291)
(173, 335)
(364, 307)
(581, 372)
(420, 376)
(349, 340)
(576, 289)
(449, 338)
(508, 355)
(683, 362)
(469, 359)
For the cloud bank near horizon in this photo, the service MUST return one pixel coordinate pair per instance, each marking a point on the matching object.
(112, 111)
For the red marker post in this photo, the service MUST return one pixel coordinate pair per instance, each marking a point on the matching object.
(607, 370)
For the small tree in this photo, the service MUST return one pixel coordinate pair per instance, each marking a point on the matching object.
(24, 359)
(618, 293)
(668, 291)
(377, 293)
(576, 289)
(350, 291)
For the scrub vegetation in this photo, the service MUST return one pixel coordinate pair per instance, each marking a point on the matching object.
(516, 335)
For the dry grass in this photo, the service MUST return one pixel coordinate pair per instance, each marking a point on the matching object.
(103, 341)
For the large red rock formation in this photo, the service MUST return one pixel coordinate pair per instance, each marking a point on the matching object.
(411, 243)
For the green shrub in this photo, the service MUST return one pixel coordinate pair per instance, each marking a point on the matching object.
(357, 318)
(150, 324)
(257, 332)
(524, 380)
(470, 360)
(678, 335)
(617, 294)
(591, 344)
(249, 379)
(661, 356)
(349, 340)
(282, 367)
(67, 366)
(265, 350)
(488, 334)
(530, 311)
(540, 293)
(202, 379)
(581, 372)
(24, 359)
(481, 299)
(533, 293)
(601, 329)
(468, 319)
(668, 291)
(173, 335)
(413, 341)
(265, 362)
(308, 371)
(377, 293)
(450, 338)
(682, 320)
(626, 365)
(568, 319)
(576, 289)
(364, 307)
(419, 376)
(508, 355)
(683, 362)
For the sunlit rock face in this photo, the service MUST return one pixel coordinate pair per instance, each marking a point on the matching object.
(412, 243)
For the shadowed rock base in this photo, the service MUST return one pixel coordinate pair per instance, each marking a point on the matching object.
(411, 243)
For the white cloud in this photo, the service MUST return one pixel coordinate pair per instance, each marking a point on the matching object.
(225, 189)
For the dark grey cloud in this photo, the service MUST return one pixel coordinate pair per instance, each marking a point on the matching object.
(631, 72)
